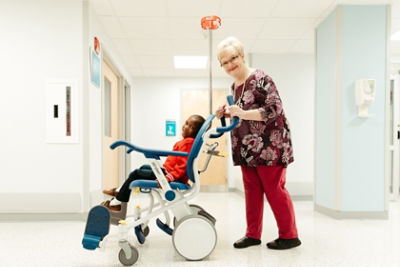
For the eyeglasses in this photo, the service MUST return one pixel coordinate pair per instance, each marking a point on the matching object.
(225, 63)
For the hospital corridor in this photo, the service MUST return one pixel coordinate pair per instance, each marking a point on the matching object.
(260, 133)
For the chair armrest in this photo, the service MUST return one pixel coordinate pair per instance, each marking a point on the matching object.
(148, 153)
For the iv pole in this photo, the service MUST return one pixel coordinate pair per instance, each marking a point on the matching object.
(210, 23)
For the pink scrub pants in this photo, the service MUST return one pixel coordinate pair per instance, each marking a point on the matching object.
(271, 181)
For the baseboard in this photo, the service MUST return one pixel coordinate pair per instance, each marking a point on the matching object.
(40, 203)
(337, 214)
(298, 191)
(18, 217)
(214, 188)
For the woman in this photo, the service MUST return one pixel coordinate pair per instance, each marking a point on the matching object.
(261, 146)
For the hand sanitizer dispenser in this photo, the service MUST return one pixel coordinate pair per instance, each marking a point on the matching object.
(365, 95)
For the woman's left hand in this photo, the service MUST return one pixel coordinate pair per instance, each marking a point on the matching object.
(236, 111)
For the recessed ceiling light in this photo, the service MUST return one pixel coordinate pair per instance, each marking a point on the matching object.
(190, 62)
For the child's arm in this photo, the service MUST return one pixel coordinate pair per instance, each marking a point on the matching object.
(176, 166)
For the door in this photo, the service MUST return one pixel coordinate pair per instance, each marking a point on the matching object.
(197, 102)
(111, 127)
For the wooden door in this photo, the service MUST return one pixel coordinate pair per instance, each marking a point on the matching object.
(197, 102)
(111, 119)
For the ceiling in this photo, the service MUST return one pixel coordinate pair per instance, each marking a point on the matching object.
(149, 33)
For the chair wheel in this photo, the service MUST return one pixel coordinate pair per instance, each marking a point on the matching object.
(194, 237)
(132, 260)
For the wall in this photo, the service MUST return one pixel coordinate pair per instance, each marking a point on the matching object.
(49, 40)
(157, 99)
(351, 166)
(41, 40)
(293, 75)
(364, 42)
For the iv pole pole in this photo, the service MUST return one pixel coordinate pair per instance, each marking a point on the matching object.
(210, 23)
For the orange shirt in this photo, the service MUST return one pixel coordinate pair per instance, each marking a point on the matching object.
(176, 165)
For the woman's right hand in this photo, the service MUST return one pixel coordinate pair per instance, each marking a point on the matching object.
(220, 112)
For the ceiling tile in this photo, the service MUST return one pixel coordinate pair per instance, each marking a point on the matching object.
(309, 34)
(300, 9)
(140, 8)
(246, 9)
(136, 72)
(151, 47)
(240, 28)
(271, 46)
(198, 9)
(158, 72)
(302, 47)
(190, 47)
(185, 28)
(286, 28)
(132, 61)
(156, 61)
(124, 46)
(112, 27)
(102, 7)
(145, 28)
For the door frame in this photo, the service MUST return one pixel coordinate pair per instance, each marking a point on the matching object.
(394, 146)
(124, 128)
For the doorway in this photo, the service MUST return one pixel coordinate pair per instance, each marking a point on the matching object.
(112, 114)
(197, 102)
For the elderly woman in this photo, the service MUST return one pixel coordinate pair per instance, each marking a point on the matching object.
(261, 146)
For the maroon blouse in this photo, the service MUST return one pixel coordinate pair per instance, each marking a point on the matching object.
(260, 143)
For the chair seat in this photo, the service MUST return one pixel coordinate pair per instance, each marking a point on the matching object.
(154, 184)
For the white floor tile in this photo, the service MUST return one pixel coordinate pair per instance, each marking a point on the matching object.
(326, 241)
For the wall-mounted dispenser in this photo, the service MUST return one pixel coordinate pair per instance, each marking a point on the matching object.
(364, 95)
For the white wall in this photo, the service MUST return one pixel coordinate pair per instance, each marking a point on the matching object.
(40, 40)
(294, 78)
(48, 40)
(157, 99)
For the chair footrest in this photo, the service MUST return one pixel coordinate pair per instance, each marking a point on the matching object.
(97, 227)
(91, 242)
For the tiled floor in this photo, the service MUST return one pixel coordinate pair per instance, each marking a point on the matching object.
(326, 241)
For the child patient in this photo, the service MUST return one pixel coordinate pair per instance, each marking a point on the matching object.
(174, 168)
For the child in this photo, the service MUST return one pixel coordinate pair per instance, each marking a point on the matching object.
(174, 167)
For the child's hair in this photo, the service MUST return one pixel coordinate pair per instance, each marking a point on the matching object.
(199, 120)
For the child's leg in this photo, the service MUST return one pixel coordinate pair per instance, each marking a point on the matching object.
(138, 174)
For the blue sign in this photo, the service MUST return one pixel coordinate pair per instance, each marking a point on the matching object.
(96, 69)
(170, 128)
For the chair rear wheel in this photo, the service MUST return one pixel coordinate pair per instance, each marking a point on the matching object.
(194, 237)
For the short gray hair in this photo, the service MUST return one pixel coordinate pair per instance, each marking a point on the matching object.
(230, 42)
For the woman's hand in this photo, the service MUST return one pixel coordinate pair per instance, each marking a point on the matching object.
(220, 112)
(236, 111)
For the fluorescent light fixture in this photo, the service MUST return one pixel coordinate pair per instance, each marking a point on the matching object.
(190, 62)
(395, 36)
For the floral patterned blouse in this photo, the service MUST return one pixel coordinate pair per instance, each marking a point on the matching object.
(260, 143)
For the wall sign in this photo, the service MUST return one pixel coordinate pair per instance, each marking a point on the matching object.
(170, 128)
